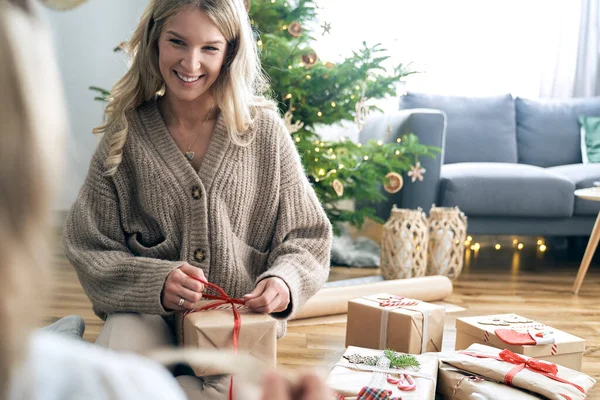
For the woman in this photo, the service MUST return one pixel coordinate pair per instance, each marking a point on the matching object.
(200, 182)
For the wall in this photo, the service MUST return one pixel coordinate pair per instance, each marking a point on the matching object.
(84, 39)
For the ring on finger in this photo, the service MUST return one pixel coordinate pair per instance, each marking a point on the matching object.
(181, 301)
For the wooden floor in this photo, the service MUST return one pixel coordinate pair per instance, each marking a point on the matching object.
(528, 282)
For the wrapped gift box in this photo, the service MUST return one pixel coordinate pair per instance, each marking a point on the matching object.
(567, 350)
(213, 329)
(348, 379)
(541, 377)
(384, 321)
(455, 384)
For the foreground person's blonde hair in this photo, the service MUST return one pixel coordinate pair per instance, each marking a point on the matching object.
(29, 80)
(238, 90)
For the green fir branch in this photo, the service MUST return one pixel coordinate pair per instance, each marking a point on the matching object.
(401, 360)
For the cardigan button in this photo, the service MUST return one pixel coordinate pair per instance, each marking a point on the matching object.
(199, 255)
(196, 192)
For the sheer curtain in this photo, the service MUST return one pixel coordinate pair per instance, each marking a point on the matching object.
(467, 47)
(572, 63)
(462, 47)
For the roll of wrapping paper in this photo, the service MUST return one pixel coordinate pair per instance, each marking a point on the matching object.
(334, 300)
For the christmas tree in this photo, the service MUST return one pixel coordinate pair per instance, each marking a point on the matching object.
(310, 91)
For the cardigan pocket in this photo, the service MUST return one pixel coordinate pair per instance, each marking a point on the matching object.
(159, 249)
(248, 258)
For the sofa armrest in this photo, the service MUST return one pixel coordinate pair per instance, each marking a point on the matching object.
(430, 127)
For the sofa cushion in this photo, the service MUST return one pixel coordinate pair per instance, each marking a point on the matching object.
(548, 131)
(506, 190)
(582, 176)
(478, 129)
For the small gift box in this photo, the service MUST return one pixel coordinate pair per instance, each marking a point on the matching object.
(541, 377)
(353, 373)
(391, 322)
(456, 384)
(508, 331)
(215, 328)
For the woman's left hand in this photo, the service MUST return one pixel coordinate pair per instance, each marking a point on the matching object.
(270, 295)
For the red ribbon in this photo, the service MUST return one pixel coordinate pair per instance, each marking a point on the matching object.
(223, 299)
(546, 369)
(397, 301)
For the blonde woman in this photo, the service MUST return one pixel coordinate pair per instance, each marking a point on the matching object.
(195, 177)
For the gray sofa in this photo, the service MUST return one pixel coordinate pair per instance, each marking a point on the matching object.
(511, 164)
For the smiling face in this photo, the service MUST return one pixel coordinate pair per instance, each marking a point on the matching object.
(191, 53)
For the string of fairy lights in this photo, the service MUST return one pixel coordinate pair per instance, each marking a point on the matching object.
(330, 155)
(516, 243)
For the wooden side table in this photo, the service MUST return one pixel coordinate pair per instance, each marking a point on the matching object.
(592, 194)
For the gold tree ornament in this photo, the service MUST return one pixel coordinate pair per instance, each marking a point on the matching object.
(395, 182)
(295, 29)
(62, 5)
(310, 59)
(338, 187)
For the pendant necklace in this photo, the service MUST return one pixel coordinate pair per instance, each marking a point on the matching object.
(189, 154)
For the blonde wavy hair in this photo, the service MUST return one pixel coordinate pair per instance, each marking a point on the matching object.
(239, 90)
(27, 161)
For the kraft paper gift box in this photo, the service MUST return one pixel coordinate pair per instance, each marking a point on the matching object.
(348, 379)
(385, 321)
(213, 329)
(455, 384)
(567, 350)
(541, 377)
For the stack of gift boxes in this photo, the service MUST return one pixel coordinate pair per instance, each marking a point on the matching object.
(394, 351)
(502, 356)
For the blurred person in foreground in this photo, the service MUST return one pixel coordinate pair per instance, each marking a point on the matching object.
(38, 364)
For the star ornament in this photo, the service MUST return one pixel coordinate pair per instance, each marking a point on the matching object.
(416, 172)
(292, 127)
(326, 28)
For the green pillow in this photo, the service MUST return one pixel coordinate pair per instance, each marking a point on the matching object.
(590, 139)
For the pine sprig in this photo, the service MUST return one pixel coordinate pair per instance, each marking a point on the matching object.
(401, 360)
(397, 360)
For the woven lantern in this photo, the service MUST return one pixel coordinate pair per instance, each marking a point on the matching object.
(404, 244)
(447, 235)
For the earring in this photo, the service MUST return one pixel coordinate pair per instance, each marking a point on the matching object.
(162, 90)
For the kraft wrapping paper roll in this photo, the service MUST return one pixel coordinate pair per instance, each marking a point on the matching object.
(334, 300)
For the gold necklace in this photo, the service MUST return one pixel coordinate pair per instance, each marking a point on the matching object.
(189, 154)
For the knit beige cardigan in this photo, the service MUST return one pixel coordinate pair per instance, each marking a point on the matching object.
(247, 214)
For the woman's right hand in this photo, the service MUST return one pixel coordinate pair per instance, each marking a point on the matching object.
(180, 285)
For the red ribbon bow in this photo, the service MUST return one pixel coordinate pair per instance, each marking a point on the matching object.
(223, 299)
(547, 369)
(531, 364)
